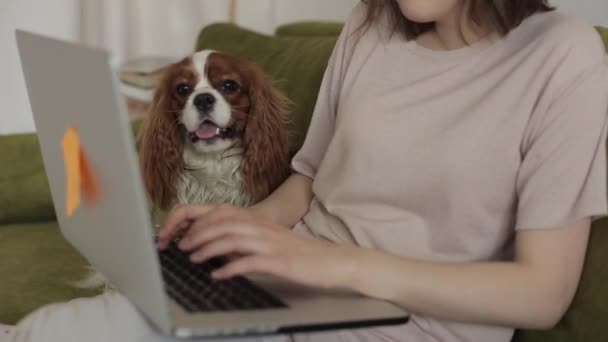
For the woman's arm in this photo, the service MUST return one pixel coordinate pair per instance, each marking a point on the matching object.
(532, 292)
(283, 208)
(288, 203)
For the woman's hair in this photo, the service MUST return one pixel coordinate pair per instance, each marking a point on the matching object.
(500, 15)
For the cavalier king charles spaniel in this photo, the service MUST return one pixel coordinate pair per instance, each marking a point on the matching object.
(215, 134)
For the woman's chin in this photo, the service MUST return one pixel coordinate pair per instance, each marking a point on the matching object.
(426, 11)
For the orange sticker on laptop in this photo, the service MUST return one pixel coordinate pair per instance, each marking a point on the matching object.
(80, 179)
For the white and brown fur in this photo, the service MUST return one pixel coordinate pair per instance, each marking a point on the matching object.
(213, 180)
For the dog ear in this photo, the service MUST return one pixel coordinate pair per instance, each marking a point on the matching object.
(161, 146)
(266, 155)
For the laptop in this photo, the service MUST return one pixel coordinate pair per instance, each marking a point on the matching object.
(74, 86)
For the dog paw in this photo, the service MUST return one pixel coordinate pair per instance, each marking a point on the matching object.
(94, 280)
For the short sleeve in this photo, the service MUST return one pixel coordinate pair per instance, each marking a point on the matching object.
(562, 177)
(322, 124)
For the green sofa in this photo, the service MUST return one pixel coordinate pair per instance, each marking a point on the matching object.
(38, 265)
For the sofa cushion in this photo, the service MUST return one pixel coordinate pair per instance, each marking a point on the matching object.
(37, 268)
(296, 64)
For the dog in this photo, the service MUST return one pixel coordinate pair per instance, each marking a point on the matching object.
(215, 133)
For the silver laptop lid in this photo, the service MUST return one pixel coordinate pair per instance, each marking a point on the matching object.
(74, 85)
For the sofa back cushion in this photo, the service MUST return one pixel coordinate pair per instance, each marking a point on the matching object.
(309, 29)
(603, 31)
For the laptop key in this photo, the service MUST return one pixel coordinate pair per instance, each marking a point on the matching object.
(191, 286)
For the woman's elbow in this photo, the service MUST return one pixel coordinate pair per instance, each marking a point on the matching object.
(554, 307)
(547, 321)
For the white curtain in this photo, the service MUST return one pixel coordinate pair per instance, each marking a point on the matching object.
(132, 28)
(136, 28)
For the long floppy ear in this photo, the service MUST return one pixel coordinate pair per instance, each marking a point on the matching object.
(161, 147)
(266, 155)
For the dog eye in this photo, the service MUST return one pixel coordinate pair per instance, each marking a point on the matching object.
(230, 86)
(183, 89)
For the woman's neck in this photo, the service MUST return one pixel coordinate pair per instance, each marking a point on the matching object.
(454, 31)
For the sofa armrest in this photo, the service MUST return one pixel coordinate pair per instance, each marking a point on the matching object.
(24, 189)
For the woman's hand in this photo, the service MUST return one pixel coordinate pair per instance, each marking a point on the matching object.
(264, 247)
(191, 217)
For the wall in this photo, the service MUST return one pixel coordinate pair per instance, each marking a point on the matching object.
(596, 11)
(57, 18)
(265, 15)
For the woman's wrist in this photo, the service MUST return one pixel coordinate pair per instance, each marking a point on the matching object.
(264, 212)
(374, 274)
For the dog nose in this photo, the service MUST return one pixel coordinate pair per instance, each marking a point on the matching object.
(204, 102)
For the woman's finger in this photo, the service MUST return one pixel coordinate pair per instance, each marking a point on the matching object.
(200, 234)
(178, 220)
(218, 215)
(164, 241)
(231, 244)
(252, 264)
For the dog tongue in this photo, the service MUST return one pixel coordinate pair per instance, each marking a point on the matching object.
(207, 131)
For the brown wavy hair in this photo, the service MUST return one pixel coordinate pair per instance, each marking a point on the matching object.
(499, 15)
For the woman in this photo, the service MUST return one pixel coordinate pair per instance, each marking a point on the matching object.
(453, 165)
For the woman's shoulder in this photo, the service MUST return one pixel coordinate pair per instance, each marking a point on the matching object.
(358, 21)
(356, 17)
(565, 35)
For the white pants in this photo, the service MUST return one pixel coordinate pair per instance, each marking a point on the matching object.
(109, 317)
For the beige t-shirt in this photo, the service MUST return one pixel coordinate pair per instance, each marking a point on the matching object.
(445, 155)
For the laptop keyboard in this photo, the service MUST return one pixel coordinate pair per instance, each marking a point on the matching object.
(193, 288)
